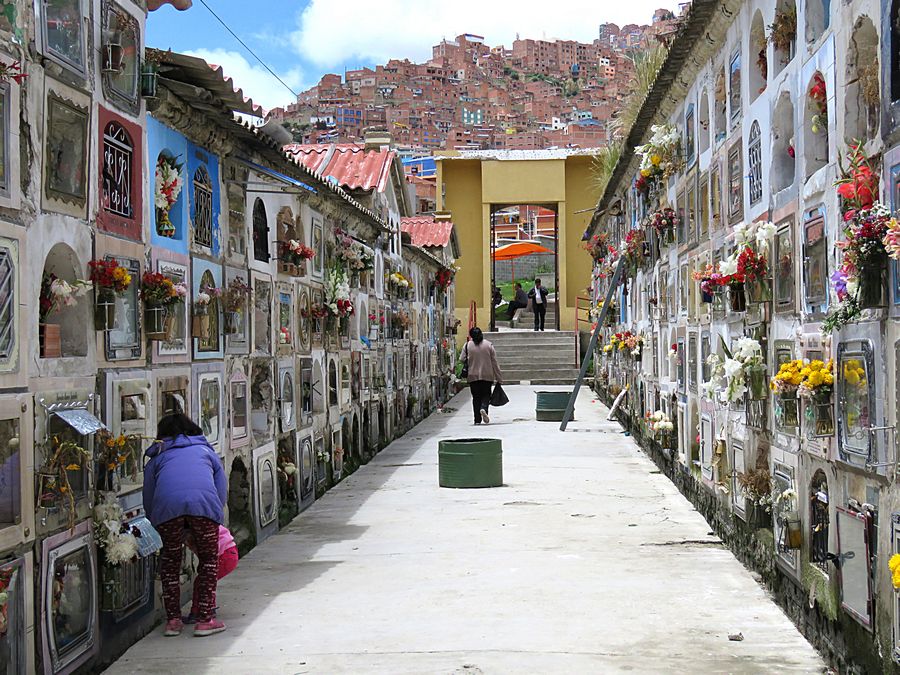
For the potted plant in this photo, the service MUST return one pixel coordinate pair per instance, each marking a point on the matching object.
(373, 326)
(756, 488)
(160, 294)
(816, 389)
(167, 189)
(55, 292)
(109, 279)
(234, 301)
(783, 32)
(785, 385)
(789, 518)
(293, 257)
(150, 72)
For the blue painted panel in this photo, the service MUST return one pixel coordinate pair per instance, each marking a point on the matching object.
(162, 139)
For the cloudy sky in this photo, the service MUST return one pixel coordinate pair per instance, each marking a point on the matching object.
(303, 39)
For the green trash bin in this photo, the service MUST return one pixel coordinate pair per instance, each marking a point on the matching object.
(551, 406)
(470, 463)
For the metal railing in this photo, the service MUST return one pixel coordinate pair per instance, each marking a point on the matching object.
(582, 316)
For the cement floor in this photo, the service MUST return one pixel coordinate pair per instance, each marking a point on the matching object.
(586, 561)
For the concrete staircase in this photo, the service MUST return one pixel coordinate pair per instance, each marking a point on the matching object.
(538, 358)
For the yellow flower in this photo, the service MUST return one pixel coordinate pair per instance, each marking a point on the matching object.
(828, 378)
(645, 173)
(894, 562)
(73, 467)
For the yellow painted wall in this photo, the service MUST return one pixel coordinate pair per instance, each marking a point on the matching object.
(470, 187)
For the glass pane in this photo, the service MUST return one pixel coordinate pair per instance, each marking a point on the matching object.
(64, 30)
(10, 477)
(209, 409)
(784, 268)
(854, 406)
(125, 333)
(134, 407)
(4, 131)
(78, 478)
(261, 317)
(284, 319)
(239, 409)
(735, 86)
(125, 81)
(816, 262)
(267, 491)
(211, 343)
(306, 386)
(70, 602)
(66, 142)
(12, 623)
(287, 399)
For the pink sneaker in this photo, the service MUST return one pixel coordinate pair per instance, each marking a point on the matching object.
(173, 628)
(211, 627)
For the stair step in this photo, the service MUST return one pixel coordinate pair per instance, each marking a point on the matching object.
(540, 374)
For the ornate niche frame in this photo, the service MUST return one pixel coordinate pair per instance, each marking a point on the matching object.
(66, 154)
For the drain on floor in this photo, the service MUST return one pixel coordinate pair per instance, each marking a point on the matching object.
(522, 504)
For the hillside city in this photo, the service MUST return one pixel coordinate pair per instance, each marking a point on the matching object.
(471, 96)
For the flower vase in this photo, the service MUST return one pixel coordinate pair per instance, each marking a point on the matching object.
(791, 532)
(105, 309)
(200, 326)
(149, 77)
(757, 383)
(156, 322)
(820, 416)
(49, 340)
(164, 226)
(286, 267)
(233, 323)
(873, 282)
(759, 291)
(738, 297)
(786, 410)
(705, 296)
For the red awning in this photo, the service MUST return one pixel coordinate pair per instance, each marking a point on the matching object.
(518, 249)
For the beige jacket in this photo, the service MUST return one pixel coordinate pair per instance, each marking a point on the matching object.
(482, 361)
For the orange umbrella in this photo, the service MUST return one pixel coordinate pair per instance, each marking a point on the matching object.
(518, 249)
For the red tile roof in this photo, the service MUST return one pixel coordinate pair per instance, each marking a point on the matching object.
(426, 231)
(352, 166)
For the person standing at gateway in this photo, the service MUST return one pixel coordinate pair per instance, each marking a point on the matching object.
(480, 361)
(538, 296)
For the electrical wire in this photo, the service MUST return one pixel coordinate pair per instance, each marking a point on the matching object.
(244, 44)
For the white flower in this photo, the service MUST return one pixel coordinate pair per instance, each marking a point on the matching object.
(121, 548)
(728, 267)
(740, 233)
(202, 298)
(764, 234)
(732, 368)
(713, 359)
(289, 469)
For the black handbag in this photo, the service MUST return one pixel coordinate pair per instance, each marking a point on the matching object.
(499, 396)
(464, 373)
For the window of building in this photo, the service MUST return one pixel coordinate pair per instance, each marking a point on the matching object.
(260, 232)
(63, 32)
(855, 393)
(4, 140)
(754, 157)
(124, 340)
(202, 203)
(67, 150)
(120, 30)
(735, 184)
(783, 269)
(734, 87)
(118, 156)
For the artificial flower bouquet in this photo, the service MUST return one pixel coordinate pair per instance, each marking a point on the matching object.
(741, 372)
(109, 274)
(158, 290)
(337, 293)
(168, 185)
(56, 293)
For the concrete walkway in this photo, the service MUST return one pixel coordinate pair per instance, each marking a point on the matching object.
(587, 561)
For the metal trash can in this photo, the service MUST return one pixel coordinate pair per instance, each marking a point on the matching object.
(551, 406)
(470, 463)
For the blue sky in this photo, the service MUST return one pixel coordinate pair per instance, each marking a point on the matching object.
(303, 39)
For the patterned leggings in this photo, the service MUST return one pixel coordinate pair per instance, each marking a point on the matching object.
(205, 533)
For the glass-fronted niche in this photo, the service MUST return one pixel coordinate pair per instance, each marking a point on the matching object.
(13, 592)
(856, 402)
(210, 406)
(129, 413)
(16, 479)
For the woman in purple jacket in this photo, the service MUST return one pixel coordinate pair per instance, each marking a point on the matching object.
(185, 490)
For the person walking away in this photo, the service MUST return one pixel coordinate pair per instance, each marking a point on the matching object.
(185, 490)
(481, 359)
(538, 296)
(228, 560)
(519, 302)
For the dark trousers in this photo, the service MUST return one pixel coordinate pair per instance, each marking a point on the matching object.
(512, 307)
(481, 397)
(540, 311)
(205, 533)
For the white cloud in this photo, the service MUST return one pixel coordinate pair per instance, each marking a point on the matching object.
(255, 81)
(408, 28)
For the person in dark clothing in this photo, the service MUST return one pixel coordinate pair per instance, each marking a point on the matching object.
(538, 296)
(497, 297)
(481, 358)
(519, 302)
(185, 491)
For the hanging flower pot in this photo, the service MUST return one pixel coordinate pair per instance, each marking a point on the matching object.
(149, 77)
(300, 270)
(200, 326)
(287, 268)
(105, 309)
(49, 340)
(234, 323)
(820, 418)
(113, 56)
(737, 297)
(157, 322)
(759, 291)
(786, 410)
(791, 531)
(873, 282)
(757, 382)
